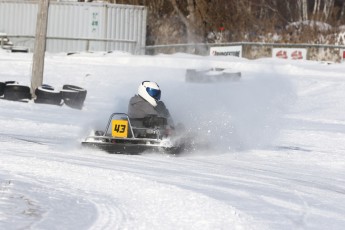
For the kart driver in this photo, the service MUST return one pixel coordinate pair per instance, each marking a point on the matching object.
(146, 110)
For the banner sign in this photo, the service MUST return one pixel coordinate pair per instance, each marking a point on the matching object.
(290, 53)
(226, 51)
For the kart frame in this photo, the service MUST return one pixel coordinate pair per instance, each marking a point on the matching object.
(130, 144)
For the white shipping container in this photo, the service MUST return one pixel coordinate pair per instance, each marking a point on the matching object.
(74, 26)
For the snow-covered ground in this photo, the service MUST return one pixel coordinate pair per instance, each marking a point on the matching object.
(276, 155)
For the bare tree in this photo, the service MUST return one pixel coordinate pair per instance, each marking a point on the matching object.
(303, 9)
(327, 8)
(180, 21)
(191, 17)
(317, 4)
(342, 12)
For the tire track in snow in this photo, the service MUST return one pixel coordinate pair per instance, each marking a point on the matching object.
(109, 214)
(130, 201)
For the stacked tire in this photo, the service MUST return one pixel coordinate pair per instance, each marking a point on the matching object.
(73, 96)
(2, 88)
(46, 94)
(13, 91)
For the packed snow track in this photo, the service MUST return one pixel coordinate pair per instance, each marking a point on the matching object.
(275, 157)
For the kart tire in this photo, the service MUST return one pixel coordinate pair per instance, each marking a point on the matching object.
(15, 92)
(73, 96)
(46, 94)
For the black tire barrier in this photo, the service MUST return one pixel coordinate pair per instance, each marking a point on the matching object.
(16, 92)
(11, 82)
(2, 88)
(73, 96)
(48, 101)
(19, 49)
(46, 94)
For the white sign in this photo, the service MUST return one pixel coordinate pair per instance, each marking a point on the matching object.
(289, 53)
(226, 51)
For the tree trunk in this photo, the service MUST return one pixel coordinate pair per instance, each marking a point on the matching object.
(327, 8)
(262, 11)
(304, 10)
(181, 15)
(289, 12)
(191, 21)
(342, 13)
(316, 9)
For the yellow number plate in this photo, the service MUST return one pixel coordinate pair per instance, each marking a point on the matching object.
(119, 128)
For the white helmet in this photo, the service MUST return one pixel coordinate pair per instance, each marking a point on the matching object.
(150, 91)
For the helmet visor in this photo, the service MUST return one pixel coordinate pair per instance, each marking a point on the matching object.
(155, 93)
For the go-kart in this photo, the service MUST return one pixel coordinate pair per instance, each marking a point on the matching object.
(123, 135)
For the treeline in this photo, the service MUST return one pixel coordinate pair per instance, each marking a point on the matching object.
(180, 21)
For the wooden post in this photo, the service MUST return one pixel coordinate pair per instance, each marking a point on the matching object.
(40, 46)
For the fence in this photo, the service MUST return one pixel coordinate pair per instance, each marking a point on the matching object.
(253, 50)
(84, 44)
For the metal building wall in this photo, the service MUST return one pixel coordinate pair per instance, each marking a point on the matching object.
(19, 19)
(77, 26)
